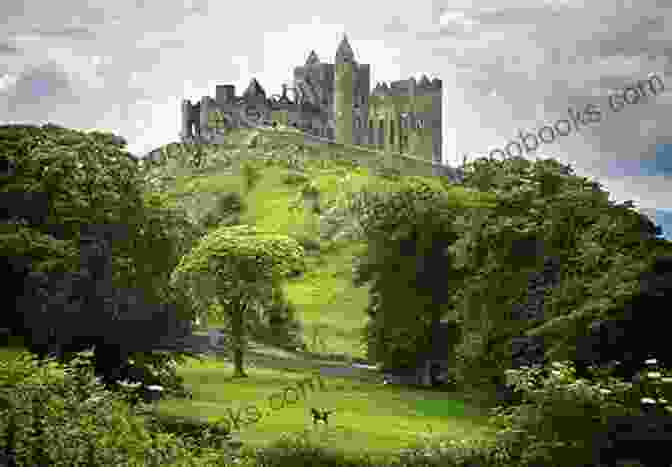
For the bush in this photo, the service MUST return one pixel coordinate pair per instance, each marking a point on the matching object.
(294, 179)
(566, 421)
(309, 244)
(55, 415)
(227, 211)
(197, 434)
(279, 324)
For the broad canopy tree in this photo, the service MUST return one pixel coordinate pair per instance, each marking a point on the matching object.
(238, 267)
(78, 227)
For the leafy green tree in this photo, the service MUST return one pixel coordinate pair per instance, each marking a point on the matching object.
(239, 268)
(84, 184)
(408, 231)
(595, 241)
(251, 175)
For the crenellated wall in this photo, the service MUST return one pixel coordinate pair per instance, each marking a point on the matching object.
(331, 101)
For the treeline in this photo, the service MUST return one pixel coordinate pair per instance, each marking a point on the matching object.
(87, 249)
(531, 263)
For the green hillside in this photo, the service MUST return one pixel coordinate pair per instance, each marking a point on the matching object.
(324, 296)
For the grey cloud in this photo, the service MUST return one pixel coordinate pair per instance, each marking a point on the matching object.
(72, 32)
(46, 86)
(199, 7)
(172, 44)
(509, 16)
(8, 49)
(395, 25)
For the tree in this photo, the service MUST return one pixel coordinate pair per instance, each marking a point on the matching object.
(78, 225)
(601, 249)
(408, 228)
(238, 267)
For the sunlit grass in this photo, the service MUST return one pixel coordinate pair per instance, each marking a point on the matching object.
(368, 417)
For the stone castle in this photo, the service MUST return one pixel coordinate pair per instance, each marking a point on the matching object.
(333, 101)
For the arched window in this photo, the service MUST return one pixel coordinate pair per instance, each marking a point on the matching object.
(358, 123)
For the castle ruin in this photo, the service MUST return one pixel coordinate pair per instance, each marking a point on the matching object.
(333, 101)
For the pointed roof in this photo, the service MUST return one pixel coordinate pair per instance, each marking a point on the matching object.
(254, 89)
(344, 52)
(424, 81)
(312, 58)
(284, 99)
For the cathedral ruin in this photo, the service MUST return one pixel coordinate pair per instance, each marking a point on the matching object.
(333, 101)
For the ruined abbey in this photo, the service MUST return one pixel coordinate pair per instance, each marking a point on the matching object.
(333, 101)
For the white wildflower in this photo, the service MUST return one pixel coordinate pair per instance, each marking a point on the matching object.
(127, 383)
(651, 361)
(653, 374)
(647, 400)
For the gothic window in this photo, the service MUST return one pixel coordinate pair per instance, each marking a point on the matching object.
(420, 123)
(381, 133)
(391, 132)
(358, 122)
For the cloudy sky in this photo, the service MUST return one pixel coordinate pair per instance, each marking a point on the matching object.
(506, 65)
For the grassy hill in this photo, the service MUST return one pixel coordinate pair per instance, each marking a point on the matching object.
(369, 417)
(324, 296)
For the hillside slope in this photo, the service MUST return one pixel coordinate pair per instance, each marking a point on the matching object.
(325, 298)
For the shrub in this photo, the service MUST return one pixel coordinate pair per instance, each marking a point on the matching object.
(565, 420)
(251, 174)
(294, 179)
(278, 324)
(308, 243)
(227, 210)
(197, 435)
(51, 415)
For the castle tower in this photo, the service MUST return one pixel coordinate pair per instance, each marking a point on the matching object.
(343, 91)
(203, 118)
(186, 120)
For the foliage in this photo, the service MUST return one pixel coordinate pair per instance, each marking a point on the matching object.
(276, 322)
(86, 179)
(408, 231)
(564, 418)
(595, 241)
(228, 208)
(101, 231)
(54, 415)
(252, 175)
(294, 179)
(239, 267)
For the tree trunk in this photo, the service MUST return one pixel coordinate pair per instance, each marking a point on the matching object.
(238, 328)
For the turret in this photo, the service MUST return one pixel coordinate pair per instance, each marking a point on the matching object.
(344, 52)
(254, 92)
(224, 94)
(186, 120)
(344, 92)
(203, 120)
(312, 59)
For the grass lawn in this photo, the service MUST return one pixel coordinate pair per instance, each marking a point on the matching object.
(368, 417)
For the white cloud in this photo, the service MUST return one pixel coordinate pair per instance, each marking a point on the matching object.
(7, 81)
